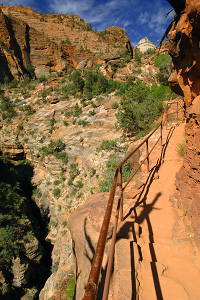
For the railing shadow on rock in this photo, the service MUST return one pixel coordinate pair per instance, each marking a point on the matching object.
(93, 281)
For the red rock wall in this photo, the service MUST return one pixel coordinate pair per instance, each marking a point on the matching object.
(184, 48)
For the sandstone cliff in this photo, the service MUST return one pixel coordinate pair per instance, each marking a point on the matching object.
(185, 53)
(48, 43)
(145, 44)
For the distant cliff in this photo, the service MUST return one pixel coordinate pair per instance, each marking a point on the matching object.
(46, 43)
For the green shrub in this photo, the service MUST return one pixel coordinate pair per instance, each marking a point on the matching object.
(28, 110)
(83, 123)
(56, 182)
(115, 105)
(92, 172)
(77, 111)
(37, 193)
(7, 108)
(164, 63)
(56, 148)
(149, 52)
(77, 81)
(66, 123)
(42, 78)
(92, 112)
(13, 83)
(138, 109)
(31, 71)
(65, 42)
(20, 127)
(56, 192)
(180, 148)
(71, 289)
(111, 165)
(107, 145)
(138, 56)
(79, 184)
(73, 172)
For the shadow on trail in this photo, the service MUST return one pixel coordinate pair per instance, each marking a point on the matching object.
(144, 215)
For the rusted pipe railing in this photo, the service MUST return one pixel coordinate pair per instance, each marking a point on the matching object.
(93, 281)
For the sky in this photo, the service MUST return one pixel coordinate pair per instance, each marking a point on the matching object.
(140, 18)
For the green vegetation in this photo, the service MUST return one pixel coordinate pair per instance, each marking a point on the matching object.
(42, 78)
(70, 289)
(115, 105)
(28, 109)
(52, 123)
(92, 83)
(56, 192)
(77, 111)
(79, 184)
(74, 172)
(65, 42)
(126, 56)
(31, 71)
(149, 52)
(138, 56)
(83, 123)
(140, 106)
(180, 148)
(164, 63)
(56, 182)
(7, 108)
(107, 145)
(91, 112)
(16, 221)
(56, 148)
(111, 165)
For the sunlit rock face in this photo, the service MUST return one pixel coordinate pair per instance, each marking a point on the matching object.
(145, 44)
(184, 48)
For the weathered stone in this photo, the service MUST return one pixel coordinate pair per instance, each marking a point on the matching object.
(85, 224)
(185, 52)
(21, 272)
(145, 44)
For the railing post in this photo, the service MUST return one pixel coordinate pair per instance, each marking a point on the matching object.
(147, 154)
(120, 194)
(161, 132)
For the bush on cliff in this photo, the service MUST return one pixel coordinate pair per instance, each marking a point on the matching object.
(164, 63)
(140, 106)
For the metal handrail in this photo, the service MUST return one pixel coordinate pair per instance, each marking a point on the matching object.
(93, 281)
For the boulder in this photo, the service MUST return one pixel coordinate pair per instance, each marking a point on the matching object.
(85, 224)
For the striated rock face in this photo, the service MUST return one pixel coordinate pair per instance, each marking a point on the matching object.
(51, 43)
(184, 48)
(145, 44)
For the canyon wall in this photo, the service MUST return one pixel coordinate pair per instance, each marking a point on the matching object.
(184, 48)
(49, 43)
